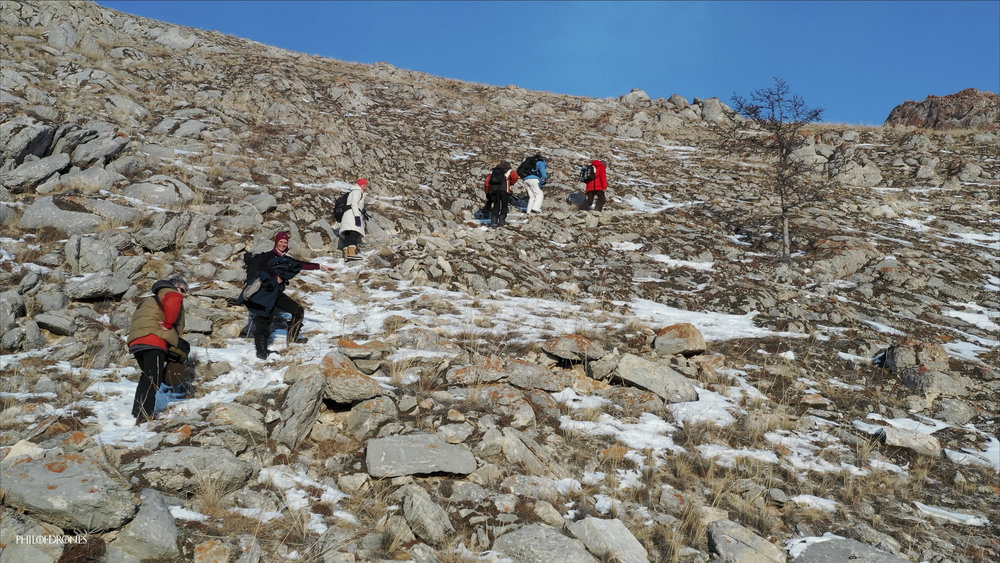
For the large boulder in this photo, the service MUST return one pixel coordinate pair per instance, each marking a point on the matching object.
(89, 254)
(152, 534)
(302, 404)
(539, 543)
(843, 549)
(29, 175)
(659, 378)
(733, 542)
(23, 136)
(15, 525)
(343, 383)
(681, 338)
(92, 180)
(99, 151)
(160, 190)
(12, 307)
(573, 348)
(44, 212)
(186, 469)
(426, 518)
(102, 285)
(609, 538)
(71, 491)
(416, 454)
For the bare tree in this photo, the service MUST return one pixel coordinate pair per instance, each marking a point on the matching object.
(778, 116)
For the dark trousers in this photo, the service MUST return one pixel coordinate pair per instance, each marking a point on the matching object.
(600, 200)
(152, 364)
(498, 204)
(262, 322)
(351, 238)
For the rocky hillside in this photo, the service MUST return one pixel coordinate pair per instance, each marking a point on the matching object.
(647, 383)
(968, 109)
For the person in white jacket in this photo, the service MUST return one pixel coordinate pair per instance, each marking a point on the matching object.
(352, 224)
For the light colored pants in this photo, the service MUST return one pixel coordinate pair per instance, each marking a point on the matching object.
(535, 196)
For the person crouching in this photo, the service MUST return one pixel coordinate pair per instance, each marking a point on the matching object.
(156, 325)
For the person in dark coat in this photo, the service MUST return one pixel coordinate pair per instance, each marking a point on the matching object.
(269, 295)
(156, 326)
(498, 190)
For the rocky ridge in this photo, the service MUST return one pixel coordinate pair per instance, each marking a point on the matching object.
(133, 149)
(968, 109)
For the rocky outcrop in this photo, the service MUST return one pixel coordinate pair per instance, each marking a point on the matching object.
(968, 109)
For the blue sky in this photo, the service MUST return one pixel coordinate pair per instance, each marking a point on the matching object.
(857, 60)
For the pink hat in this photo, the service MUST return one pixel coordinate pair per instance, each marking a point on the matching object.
(362, 181)
(283, 235)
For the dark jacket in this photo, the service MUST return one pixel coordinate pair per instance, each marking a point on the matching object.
(264, 299)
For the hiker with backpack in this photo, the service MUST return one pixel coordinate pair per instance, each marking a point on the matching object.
(267, 275)
(596, 176)
(498, 189)
(534, 173)
(352, 223)
(155, 334)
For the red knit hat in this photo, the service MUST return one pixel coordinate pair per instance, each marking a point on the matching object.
(362, 181)
(283, 235)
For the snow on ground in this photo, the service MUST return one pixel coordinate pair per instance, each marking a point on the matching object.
(664, 259)
(950, 516)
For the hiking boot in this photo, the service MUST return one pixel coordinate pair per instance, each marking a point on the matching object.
(351, 253)
(260, 340)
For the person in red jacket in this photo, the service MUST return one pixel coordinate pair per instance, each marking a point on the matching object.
(596, 187)
(156, 325)
(498, 190)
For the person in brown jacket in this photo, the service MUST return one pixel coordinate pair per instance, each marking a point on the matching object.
(156, 326)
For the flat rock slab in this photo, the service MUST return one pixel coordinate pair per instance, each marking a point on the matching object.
(574, 348)
(609, 538)
(70, 491)
(733, 542)
(843, 549)
(186, 468)
(669, 385)
(395, 456)
(43, 212)
(538, 543)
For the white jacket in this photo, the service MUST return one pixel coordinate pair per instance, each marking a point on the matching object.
(353, 220)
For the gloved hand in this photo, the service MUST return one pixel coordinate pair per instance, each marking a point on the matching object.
(357, 221)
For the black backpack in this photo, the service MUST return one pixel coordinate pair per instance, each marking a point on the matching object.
(340, 206)
(498, 180)
(527, 167)
(254, 262)
(588, 173)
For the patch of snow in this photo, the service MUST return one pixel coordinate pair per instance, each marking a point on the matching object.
(956, 517)
(664, 259)
(820, 503)
(975, 315)
(181, 513)
(728, 457)
(626, 246)
(710, 408)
